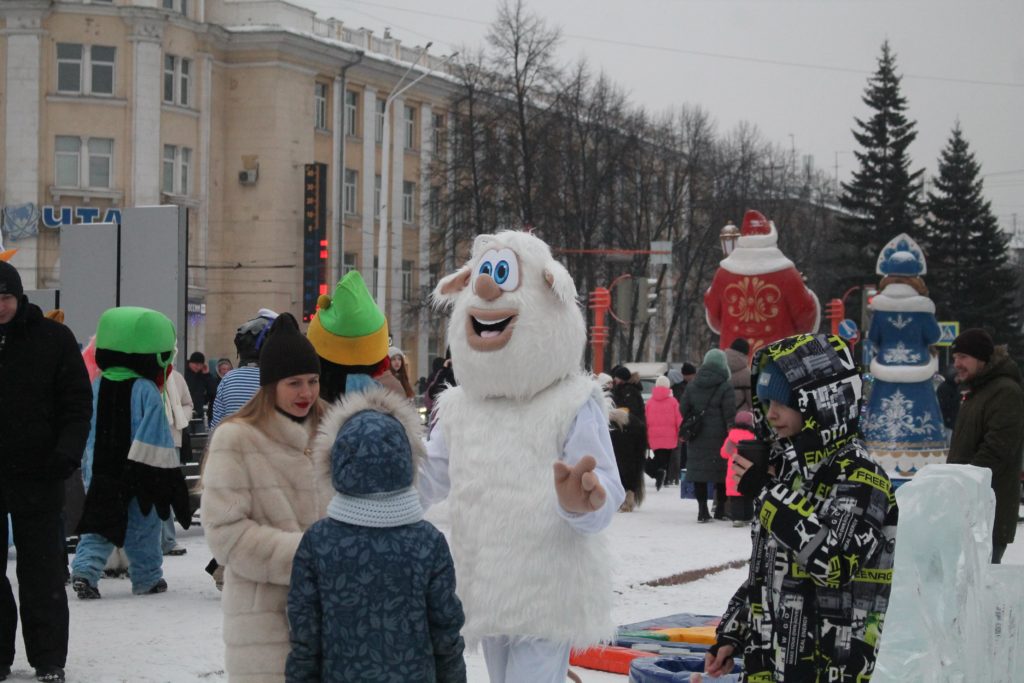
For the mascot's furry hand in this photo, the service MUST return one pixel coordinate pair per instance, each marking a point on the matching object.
(619, 416)
(577, 487)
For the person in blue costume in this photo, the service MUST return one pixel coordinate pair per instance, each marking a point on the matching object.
(903, 427)
(131, 468)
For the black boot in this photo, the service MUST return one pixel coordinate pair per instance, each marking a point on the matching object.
(54, 674)
(659, 479)
(84, 589)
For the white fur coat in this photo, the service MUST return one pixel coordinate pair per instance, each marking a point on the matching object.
(261, 490)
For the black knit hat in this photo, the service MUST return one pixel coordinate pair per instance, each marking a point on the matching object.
(621, 372)
(10, 280)
(286, 352)
(688, 369)
(740, 344)
(976, 343)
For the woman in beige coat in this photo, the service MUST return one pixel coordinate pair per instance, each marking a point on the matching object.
(262, 487)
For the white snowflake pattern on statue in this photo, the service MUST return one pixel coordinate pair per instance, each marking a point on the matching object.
(897, 419)
(901, 354)
(899, 322)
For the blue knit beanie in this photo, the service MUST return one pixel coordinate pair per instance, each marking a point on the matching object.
(371, 454)
(773, 386)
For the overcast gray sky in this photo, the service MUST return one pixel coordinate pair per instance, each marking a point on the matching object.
(792, 67)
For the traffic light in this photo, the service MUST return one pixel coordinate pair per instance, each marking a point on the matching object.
(623, 306)
(647, 299)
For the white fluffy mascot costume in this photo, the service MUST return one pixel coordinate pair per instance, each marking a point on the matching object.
(521, 449)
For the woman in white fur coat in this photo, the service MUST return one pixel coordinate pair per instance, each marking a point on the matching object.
(262, 488)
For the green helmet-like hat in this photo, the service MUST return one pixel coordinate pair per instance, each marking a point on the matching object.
(137, 330)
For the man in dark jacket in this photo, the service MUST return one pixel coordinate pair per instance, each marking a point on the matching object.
(989, 429)
(201, 386)
(45, 407)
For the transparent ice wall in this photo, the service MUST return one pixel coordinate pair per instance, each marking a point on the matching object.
(953, 617)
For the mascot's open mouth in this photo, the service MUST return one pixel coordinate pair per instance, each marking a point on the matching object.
(488, 330)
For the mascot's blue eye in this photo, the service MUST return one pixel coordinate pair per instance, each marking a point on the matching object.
(501, 272)
(485, 268)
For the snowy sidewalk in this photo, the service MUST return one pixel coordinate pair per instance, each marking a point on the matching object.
(176, 637)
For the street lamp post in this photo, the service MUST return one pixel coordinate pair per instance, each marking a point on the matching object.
(837, 153)
(384, 269)
(729, 236)
(385, 163)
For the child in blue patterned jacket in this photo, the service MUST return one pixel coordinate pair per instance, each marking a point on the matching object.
(372, 594)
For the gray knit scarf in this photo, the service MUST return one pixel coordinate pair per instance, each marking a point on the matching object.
(377, 510)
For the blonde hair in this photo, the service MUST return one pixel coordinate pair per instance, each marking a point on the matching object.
(264, 404)
(255, 412)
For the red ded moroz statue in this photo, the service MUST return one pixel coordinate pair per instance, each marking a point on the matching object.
(757, 293)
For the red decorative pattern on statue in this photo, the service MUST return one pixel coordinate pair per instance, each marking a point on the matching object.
(752, 300)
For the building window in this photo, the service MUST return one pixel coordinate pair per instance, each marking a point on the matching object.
(169, 63)
(185, 170)
(176, 5)
(349, 198)
(101, 158)
(69, 68)
(376, 196)
(88, 158)
(177, 80)
(185, 82)
(376, 274)
(68, 161)
(410, 128)
(438, 131)
(177, 170)
(348, 262)
(406, 280)
(408, 190)
(83, 71)
(378, 133)
(434, 206)
(351, 112)
(320, 105)
(434, 273)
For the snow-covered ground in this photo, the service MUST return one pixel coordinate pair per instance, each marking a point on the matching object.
(176, 637)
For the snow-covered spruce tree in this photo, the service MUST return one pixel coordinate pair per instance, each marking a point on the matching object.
(970, 275)
(883, 197)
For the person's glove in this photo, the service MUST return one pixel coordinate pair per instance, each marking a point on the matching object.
(578, 488)
(754, 479)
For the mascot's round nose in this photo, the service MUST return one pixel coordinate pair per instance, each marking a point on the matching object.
(486, 288)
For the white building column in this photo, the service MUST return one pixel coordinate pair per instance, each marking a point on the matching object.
(423, 256)
(396, 207)
(369, 172)
(21, 138)
(146, 36)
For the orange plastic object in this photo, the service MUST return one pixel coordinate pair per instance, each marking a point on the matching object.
(699, 635)
(612, 658)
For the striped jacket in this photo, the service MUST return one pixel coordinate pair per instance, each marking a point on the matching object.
(233, 392)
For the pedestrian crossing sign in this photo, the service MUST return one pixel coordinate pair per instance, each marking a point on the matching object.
(948, 331)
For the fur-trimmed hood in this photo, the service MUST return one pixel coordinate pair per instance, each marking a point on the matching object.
(374, 441)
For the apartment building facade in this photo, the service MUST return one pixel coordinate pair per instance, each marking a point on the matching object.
(263, 121)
